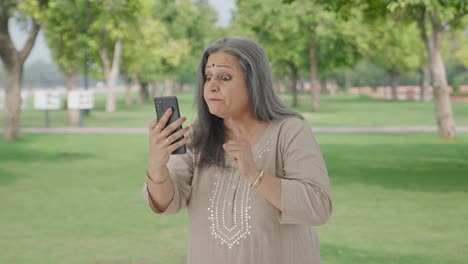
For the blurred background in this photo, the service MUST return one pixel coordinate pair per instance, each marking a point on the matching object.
(384, 85)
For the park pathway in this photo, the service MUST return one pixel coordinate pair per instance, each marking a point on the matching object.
(342, 129)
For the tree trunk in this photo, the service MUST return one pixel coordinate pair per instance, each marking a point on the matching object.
(177, 87)
(301, 84)
(394, 81)
(169, 87)
(293, 82)
(13, 61)
(111, 100)
(323, 86)
(443, 105)
(130, 82)
(144, 93)
(424, 82)
(186, 87)
(11, 115)
(128, 94)
(347, 79)
(315, 86)
(156, 89)
(441, 97)
(277, 84)
(111, 71)
(70, 84)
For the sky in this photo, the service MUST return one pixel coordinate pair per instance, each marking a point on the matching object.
(42, 52)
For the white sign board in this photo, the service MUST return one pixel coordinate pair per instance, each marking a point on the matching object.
(47, 100)
(24, 100)
(81, 99)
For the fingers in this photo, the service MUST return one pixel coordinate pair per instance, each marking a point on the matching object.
(172, 127)
(161, 124)
(178, 144)
(173, 137)
(153, 124)
(235, 149)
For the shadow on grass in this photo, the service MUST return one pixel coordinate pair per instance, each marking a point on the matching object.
(408, 166)
(32, 155)
(18, 151)
(338, 254)
(8, 177)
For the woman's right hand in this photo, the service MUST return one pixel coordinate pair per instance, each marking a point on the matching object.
(162, 142)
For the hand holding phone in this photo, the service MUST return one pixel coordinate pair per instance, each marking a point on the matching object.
(162, 104)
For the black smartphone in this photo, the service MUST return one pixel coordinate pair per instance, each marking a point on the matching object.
(163, 103)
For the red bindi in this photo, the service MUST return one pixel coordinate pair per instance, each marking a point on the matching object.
(213, 64)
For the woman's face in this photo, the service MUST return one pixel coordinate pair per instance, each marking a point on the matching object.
(225, 89)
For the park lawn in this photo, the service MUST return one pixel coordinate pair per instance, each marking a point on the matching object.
(341, 110)
(398, 198)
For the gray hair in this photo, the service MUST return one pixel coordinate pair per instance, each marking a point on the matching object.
(208, 133)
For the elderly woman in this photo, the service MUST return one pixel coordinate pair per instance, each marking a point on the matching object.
(253, 178)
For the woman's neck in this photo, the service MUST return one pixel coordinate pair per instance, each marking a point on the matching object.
(251, 126)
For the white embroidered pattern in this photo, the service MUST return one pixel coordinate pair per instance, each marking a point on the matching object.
(231, 194)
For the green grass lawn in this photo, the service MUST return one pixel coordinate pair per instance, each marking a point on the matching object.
(398, 198)
(343, 110)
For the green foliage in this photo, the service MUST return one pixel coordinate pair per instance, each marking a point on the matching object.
(445, 12)
(76, 26)
(341, 43)
(66, 33)
(149, 46)
(286, 31)
(365, 73)
(192, 23)
(168, 40)
(277, 30)
(459, 42)
(35, 9)
(395, 46)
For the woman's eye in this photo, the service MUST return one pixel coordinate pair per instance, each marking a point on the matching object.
(225, 78)
(207, 78)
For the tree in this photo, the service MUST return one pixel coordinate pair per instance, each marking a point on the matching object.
(31, 12)
(65, 31)
(109, 24)
(194, 22)
(151, 49)
(191, 24)
(277, 30)
(461, 53)
(395, 47)
(435, 17)
(303, 37)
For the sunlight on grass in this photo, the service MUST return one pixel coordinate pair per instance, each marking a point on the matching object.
(398, 198)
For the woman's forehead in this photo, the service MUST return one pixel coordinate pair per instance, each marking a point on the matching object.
(221, 59)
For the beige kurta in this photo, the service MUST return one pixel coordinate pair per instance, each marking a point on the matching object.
(231, 223)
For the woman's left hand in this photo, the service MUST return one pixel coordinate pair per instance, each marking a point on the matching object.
(239, 149)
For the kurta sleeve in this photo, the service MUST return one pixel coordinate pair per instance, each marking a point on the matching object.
(181, 172)
(305, 187)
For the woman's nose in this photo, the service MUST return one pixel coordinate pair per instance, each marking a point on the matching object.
(214, 87)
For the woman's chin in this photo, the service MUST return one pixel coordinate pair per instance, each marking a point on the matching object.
(218, 113)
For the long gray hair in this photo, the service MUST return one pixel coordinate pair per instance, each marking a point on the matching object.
(208, 133)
